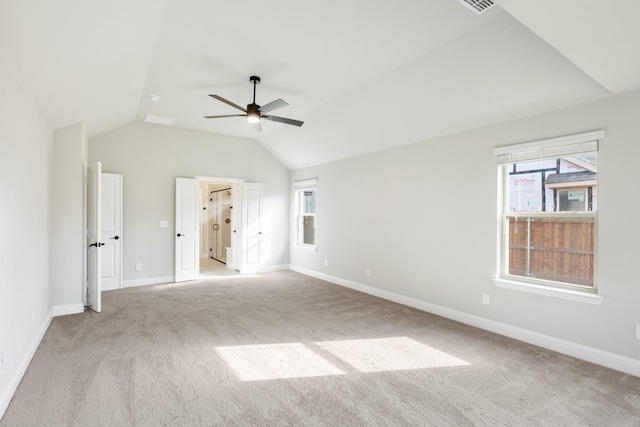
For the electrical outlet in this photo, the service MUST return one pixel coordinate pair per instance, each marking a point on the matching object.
(638, 332)
(163, 224)
(138, 266)
(326, 263)
(1, 361)
(33, 316)
(368, 272)
(486, 299)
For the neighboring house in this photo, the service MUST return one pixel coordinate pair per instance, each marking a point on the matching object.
(563, 184)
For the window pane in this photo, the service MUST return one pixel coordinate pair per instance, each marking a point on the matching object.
(307, 201)
(308, 230)
(557, 249)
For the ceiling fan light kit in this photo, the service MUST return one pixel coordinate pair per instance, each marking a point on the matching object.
(254, 112)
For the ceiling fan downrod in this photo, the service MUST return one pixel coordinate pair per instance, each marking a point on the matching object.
(256, 81)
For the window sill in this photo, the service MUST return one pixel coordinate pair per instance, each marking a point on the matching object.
(305, 248)
(569, 294)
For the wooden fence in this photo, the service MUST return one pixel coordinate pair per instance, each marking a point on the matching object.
(561, 249)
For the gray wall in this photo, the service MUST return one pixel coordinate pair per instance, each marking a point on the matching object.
(67, 235)
(150, 157)
(25, 206)
(432, 236)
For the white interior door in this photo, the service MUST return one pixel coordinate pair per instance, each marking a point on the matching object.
(111, 231)
(236, 227)
(94, 237)
(187, 261)
(252, 233)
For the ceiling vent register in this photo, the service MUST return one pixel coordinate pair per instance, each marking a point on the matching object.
(478, 6)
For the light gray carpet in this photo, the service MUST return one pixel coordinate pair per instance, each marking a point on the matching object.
(286, 349)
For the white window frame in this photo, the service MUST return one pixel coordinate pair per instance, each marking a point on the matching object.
(537, 150)
(298, 188)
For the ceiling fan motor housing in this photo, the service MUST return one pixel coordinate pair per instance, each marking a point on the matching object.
(253, 112)
(253, 108)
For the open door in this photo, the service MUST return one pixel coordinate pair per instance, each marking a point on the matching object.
(252, 237)
(236, 230)
(187, 240)
(94, 300)
(111, 231)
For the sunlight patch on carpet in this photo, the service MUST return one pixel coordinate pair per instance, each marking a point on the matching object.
(275, 361)
(389, 354)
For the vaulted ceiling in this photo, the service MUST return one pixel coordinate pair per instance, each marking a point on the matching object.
(364, 75)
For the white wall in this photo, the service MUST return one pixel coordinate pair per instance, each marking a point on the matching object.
(25, 200)
(67, 234)
(150, 157)
(433, 237)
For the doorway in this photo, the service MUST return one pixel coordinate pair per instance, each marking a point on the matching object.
(216, 226)
(249, 239)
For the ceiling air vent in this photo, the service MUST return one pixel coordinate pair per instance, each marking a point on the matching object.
(478, 6)
(161, 120)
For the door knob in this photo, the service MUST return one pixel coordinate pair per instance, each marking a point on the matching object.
(116, 238)
(180, 235)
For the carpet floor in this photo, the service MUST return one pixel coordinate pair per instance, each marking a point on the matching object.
(286, 349)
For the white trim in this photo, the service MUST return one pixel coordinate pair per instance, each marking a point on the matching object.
(306, 183)
(547, 148)
(272, 268)
(63, 310)
(12, 386)
(305, 248)
(220, 179)
(568, 294)
(600, 357)
(148, 281)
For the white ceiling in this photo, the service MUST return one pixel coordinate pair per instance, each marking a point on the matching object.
(364, 75)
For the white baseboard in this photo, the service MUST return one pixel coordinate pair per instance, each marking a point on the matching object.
(63, 310)
(6, 397)
(272, 268)
(148, 281)
(590, 354)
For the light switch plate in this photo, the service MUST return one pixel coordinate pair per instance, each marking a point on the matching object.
(163, 224)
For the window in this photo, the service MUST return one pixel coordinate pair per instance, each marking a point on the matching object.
(305, 203)
(548, 213)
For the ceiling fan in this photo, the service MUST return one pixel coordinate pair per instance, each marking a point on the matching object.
(254, 112)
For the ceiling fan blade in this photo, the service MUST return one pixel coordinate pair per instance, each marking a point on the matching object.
(283, 120)
(219, 98)
(273, 105)
(256, 127)
(227, 115)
